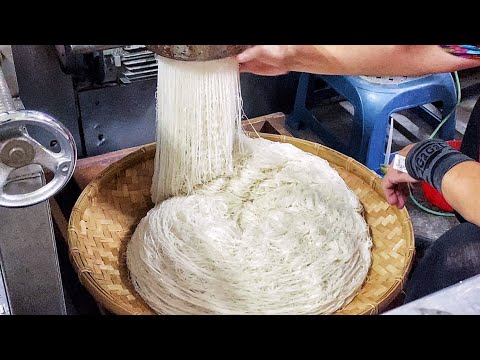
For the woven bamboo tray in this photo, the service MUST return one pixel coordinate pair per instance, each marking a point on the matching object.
(110, 207)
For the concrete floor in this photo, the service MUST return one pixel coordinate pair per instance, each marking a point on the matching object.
(337, 118)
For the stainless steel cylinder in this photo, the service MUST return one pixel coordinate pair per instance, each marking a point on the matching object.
(197, 52)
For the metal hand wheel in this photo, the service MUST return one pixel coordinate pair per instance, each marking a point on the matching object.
(18, 149)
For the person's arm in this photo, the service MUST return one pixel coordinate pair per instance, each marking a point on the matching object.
(381, 60)
(460, 184)
(461, 189)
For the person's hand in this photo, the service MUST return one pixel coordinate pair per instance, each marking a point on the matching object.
(395, 183)
(267, 59)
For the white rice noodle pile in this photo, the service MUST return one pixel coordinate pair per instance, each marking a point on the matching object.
(261, 228)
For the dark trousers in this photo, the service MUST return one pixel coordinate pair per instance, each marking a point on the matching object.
(455, 256)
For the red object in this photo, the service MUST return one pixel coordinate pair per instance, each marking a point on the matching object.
(433, 195)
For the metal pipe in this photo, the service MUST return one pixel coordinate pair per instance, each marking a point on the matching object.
(6, 100)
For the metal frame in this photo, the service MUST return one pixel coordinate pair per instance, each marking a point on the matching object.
(8, 66)
(29, 260)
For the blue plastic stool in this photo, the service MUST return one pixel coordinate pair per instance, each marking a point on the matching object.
(374, 100)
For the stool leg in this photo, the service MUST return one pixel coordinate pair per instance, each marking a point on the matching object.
(366, 116)
(357, 149)
(447, 132)
(300, 113)
(374, 140)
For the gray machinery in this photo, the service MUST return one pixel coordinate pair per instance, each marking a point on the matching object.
(38, 153)
(105, 94)
(30, 281)
(85, 100)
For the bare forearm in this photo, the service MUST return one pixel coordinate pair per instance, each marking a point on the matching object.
(461, 189)
(408, 60)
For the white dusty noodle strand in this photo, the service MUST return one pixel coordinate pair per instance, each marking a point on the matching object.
(240, 225)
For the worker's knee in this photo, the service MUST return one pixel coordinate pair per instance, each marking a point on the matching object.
(454, 257)
(458, 250)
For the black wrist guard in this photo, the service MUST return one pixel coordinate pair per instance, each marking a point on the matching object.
(429, 160)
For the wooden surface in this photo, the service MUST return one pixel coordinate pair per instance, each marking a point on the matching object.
(268, 124)
(59, 218)
(87, 169)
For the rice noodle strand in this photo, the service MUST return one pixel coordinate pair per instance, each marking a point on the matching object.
(240, 225)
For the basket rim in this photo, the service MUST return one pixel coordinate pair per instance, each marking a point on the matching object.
(368, 176)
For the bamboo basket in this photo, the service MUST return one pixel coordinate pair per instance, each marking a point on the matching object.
(108, 210)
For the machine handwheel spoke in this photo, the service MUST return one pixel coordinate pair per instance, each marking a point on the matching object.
(19, 149)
